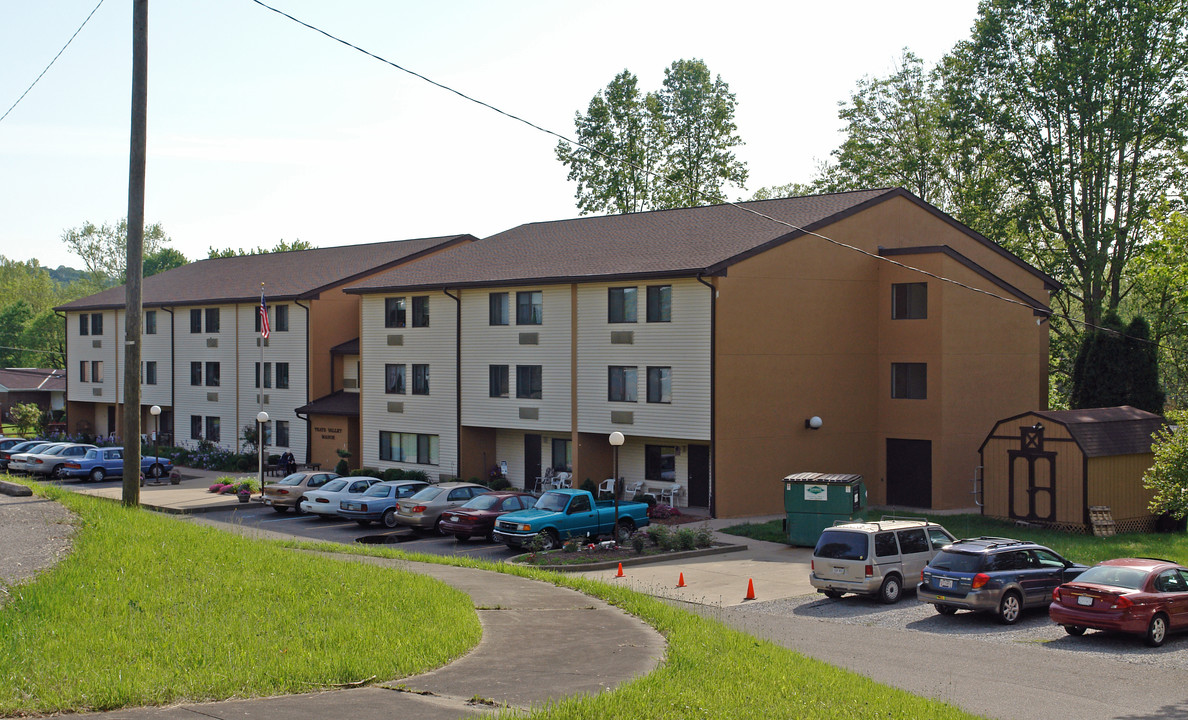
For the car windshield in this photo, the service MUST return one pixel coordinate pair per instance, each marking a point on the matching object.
(92, 454)
(552, 502)
(482, 502)
(334, 486)
(55, 450)
(38, 448)
(841, 545)
(23, 447)
(1114, 576)
(378, 491)
(294, 479)
(956, 561)
(427, 494)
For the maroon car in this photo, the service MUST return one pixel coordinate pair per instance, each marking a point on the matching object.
(1140, 596)
(477, 517)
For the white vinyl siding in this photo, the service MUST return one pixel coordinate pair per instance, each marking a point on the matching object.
(484, 345)
(682, 344)
(192, 399)
(81, 348)
(432, 414)
(283, 347)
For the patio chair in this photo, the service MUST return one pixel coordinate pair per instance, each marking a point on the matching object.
(606, 486)
(670, 494)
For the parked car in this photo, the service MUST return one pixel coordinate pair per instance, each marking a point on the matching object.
(99, 463)
(423, 510)
(288, 492)
(1140, 596)
(378, 502)
(51, 462)
(19, 462)
(993, 574)
(8, 442)
(17, 449)
(325, 501)
(562, 514)
(476, 518)
(874, 558)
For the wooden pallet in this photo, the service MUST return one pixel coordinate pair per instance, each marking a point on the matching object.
(1102, 521)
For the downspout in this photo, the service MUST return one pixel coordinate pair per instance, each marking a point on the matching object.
(308, 363)
(713, 395)
(172, 377)
(457, 382)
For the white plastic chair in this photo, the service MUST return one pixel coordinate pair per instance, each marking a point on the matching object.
(562, 480)
(606, 486)
(670, 494)
(633, 489)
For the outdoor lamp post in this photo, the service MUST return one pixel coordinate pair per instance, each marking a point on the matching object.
(616, 439)
(261, 418)
(155, 411)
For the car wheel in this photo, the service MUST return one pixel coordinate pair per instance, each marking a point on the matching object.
(437, 527)
(833, 594)
(156, 470)
(491, 537)
(548, 539)
(363, 523)
(97, 475)
(890, 591)
(461, 537)
(623, 531)
(390, 518)
(1075, 630)
(297, 508)
(55, 472)
(946, 609)
(1010, 608)
(280, 509)
(1156, 630)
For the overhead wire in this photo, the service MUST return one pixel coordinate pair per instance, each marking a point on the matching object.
(51, 62)
(1038, 309)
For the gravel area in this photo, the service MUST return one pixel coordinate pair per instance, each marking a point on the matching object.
(35, 533)
(1033, 628)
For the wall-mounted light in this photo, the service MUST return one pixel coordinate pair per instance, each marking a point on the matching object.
(813, 423)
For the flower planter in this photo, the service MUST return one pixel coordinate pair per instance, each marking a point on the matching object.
(244, 498)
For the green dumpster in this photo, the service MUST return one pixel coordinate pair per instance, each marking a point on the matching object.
(814, 501)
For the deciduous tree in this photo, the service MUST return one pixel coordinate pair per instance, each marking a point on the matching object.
(1167, 477)
(104, 248)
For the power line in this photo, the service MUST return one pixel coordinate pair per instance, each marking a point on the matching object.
(32, 350)
(51, 63)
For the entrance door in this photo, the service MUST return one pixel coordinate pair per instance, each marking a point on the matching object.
(699, 475)
(531, 460)
(111, 424)
(909, 473)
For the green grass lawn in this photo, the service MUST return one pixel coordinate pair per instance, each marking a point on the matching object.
(1085, 549)
(147, 610)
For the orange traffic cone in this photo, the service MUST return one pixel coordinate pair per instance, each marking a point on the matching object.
(750, 589)
(681, 581)
(620, 573)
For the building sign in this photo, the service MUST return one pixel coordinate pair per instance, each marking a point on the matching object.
(328, 433)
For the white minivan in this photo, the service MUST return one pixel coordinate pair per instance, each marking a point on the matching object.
(875, 558)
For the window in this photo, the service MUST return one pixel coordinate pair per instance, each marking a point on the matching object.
(885, 544)
(562, 455)
(528, 381)
(660, 463)
(498, 380)
(394, 312)
(909, 381)
(420, 379)
(913, 541)
(267, 374)
(660, 385)
(498, 306)
(909, 301)
(195, 373)
(408, 447)
(281, 312)
(195, 321)
(84, 371)
(97, 371)
(421, 311)
(212, 374)
(394, 379)
(150, 372)
(212, 320)
(622, 386)
(939, 538)
(96, 323)
(659, 303)
(580, 503)
(282, 376)
(84, 324)
(621, 305)
(212, 429)
(267, 433)
(150, 322)
(195, 427)
(282, 433)
(529, 308)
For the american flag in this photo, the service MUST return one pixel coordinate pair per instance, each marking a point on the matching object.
(264, 329)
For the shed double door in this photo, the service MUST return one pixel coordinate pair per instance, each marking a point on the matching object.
(909, 473)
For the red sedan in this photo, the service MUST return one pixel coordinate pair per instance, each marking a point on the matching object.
(1140, 596)
(477, 517)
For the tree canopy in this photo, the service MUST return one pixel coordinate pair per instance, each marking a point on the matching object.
(281, 246)
(104, 249)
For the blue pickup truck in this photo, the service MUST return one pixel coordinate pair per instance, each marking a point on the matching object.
(99, 463)
(562, 514)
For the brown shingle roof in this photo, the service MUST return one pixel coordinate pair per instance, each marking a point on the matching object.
(1122, 430)
(32, 379)
(287, 275)
(339, 402)
(683, 241)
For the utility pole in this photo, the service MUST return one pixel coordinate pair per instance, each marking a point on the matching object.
(135, 265)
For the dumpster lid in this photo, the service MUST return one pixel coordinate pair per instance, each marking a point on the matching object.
(815, 477)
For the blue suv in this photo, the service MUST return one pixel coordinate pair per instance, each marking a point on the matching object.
(993, 574)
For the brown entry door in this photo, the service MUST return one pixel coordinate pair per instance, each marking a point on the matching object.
(699, 476)
(531, 460)
(909, 473)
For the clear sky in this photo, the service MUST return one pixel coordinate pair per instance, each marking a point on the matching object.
(260, 129)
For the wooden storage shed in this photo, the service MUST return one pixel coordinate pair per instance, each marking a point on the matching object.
(1051, 466)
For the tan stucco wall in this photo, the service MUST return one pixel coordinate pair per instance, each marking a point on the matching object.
(333, 319)
(805, 329)
(330, 433)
